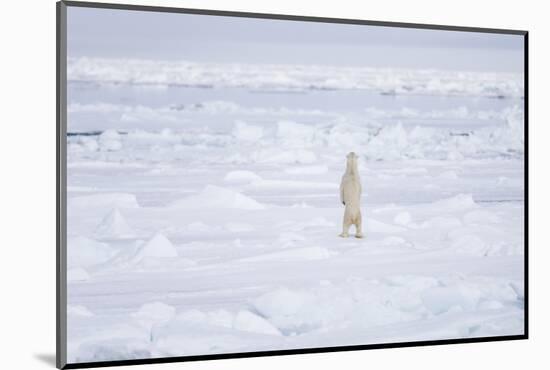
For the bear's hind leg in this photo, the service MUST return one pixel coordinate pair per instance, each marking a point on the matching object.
(358, 228)
(346, 226)
(345, 231)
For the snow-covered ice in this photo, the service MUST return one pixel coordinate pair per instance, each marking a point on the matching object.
(387, 81)
(203, 209)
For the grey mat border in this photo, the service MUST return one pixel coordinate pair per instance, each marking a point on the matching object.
(61, 185)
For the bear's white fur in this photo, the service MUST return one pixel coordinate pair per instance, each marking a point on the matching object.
(350, 196)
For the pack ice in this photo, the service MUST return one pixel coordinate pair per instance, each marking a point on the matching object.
(203, 212)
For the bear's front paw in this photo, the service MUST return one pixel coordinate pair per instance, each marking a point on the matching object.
(343, 235)
(359, 235)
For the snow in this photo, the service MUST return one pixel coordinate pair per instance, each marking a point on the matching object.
(288, 238)
(199, 227)
(307, 170)
(112, 200)
(375, 226)
(393, 240)
(290, 156)
(204, 213)
(448, 175)
(309, 253)
(235, 227)
(402, 218)
(442, 222)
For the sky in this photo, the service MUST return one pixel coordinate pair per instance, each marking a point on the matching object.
(216, 39)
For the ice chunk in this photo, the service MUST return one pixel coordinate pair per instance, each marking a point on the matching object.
(114, 226)
(125, 344)
(519, 290)
(294, 134)
(454, 155)
(481, 217)
(77, 274)
(283, 155)
(490, 305)
(218, 197)
(191, 316)
(469, 244)
(247, 133)
(413, 283)
(294, 312)
(221, 318)
(281, 302)
(448, 175)
(109, 140)
(247, 321)
(241, 177)
(458, 202)
(158, 246)
(77, 310)
(504, 249)
(442, 299)
(441, 223)
(89, 144)
(83, 252)
(154, 313)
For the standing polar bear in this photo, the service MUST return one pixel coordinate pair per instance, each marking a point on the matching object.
(350, 196)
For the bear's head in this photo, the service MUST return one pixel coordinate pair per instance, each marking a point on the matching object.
(351, 163)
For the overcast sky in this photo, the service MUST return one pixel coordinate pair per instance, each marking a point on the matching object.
(201, 38)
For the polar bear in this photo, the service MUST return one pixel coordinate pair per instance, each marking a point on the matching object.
(350, 196)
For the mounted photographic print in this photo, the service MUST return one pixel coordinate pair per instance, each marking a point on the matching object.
(238, 184)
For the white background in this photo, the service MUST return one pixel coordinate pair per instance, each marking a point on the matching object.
(27, 204)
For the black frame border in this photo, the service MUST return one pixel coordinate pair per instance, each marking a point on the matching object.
(61, 182)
